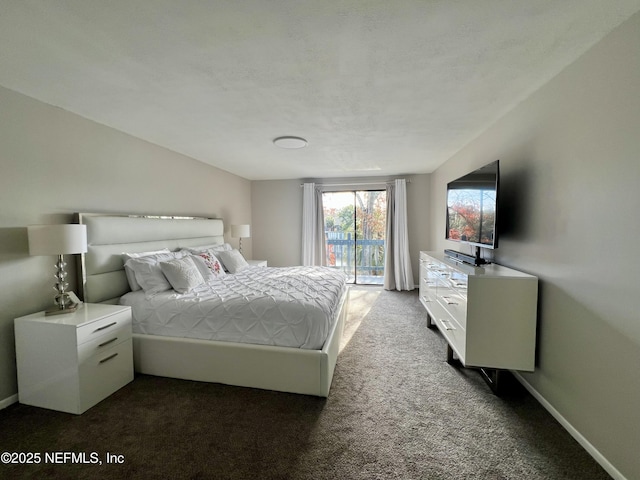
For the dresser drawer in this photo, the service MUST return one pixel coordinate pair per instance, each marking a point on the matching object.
(459, 282)
(428, 296)
(105, 326)
(105, 372)
(456, 305)
(454, 334)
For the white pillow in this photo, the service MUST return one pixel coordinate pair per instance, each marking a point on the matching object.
(149, 274)
(131, 277)
(233, 260)
(213, 266)
(182, 274)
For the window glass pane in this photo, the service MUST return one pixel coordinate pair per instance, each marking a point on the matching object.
(355, 227)
(371, 214)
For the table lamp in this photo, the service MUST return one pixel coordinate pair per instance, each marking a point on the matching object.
(58, 240)
(241, 231)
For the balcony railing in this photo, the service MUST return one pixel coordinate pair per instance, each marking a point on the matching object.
(362, 258)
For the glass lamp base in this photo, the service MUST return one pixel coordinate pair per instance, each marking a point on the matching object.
(57, 310)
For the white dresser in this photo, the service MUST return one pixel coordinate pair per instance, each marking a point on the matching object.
(70, 362)
(487, 314)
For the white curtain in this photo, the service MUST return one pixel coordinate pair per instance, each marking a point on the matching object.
(313, 241)
(398, 274)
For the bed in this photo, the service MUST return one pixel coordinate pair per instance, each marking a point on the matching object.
(305, 368)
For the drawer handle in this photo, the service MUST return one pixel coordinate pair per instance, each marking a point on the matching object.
(106, 326)
(447, 325)
(108, 358)
(425, 299)
(108, 342)
(449, 302)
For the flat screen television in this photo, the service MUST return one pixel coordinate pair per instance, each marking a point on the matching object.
(472, 207)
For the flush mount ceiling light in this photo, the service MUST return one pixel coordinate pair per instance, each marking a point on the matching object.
(290, 142)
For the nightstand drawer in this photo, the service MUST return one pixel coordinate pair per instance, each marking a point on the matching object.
(105, 326)
(104, 373)
(98, 345)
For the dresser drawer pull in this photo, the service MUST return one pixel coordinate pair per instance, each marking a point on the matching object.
(106, 326)
(449, 302)
(108, 358)
(447, 325)
(108, 342)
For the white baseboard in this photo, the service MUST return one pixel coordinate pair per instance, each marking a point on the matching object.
(593, 451)
(8, 401)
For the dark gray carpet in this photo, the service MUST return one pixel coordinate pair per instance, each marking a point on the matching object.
(396, 410)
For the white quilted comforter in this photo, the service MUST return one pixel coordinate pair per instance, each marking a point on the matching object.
(289, 307)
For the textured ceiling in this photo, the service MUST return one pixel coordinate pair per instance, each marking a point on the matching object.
(377, 87)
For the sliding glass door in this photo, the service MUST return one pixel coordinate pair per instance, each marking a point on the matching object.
(355, 228)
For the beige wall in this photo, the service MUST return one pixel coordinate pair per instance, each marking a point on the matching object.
(53, 163)
(570, 161)
(277, 218)
(276, 208)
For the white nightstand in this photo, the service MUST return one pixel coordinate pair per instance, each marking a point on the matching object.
(72, 361)
(257, 263)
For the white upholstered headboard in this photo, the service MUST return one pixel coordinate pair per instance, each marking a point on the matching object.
(101, 274)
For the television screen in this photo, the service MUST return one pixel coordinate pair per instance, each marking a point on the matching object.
(472, 203)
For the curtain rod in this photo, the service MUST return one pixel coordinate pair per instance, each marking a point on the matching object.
(347, 184)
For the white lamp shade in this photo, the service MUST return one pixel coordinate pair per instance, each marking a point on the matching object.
(57, 239)
(241, 231)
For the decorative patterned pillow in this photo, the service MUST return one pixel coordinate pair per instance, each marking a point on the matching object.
(212, 264)
(182, 274)
(233, 260)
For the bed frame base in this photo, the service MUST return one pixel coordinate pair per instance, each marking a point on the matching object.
(293, 370)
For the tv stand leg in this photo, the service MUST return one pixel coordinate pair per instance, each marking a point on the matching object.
(451, 358)
(430, 323)
(494, 378)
